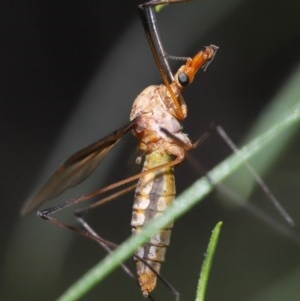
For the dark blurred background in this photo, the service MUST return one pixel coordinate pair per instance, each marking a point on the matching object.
(69, 74)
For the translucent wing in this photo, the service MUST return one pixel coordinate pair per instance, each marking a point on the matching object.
(75, 169)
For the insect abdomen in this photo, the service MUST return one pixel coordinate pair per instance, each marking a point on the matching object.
(154, 193)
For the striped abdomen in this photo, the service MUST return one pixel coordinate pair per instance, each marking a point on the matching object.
(154, 193)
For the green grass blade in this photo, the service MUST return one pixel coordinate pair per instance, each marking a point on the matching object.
(207, 263)
(185, 201)
(158, 8)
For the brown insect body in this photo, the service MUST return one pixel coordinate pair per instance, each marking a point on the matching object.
(157, 112)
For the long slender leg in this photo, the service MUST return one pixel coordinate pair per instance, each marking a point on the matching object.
(108, 246)
(262, 215)
(87, 232)
(287, 231)
(221, 132)
(49, 211)
(89, 229)
(148, 17)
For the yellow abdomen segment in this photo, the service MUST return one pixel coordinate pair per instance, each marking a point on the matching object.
(154, 193)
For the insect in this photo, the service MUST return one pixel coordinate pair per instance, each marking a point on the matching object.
(155, 121)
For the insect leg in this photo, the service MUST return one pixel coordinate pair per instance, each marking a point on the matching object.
(89, 233)
(148, 16)
(280, 209)
(233, 195)
(44, 213)
(89, 229)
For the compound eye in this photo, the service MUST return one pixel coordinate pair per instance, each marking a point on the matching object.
(183, 79)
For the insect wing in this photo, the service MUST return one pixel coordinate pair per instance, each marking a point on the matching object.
(75, 169)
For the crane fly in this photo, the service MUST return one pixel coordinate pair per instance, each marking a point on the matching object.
(155, 121)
